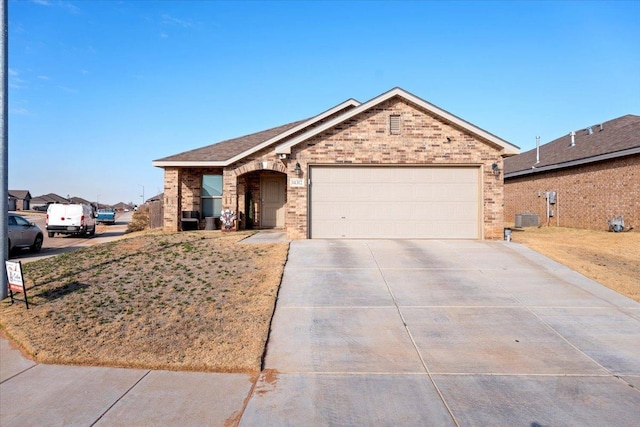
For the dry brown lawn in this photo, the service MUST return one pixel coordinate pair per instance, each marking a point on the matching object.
(183, 301)
(612, 259)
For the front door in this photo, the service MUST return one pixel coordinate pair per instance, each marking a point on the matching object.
(272, 189)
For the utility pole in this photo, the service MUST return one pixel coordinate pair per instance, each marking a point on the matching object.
(4, 146)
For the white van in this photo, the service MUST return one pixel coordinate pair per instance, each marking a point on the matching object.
(70, 219)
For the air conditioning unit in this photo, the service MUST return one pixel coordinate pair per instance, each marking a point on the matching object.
(527, 220)
(616, 224)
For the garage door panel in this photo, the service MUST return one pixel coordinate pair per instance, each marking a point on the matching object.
(394, 202)
(362, 192)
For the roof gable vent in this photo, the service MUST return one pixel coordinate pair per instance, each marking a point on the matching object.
(394, 124)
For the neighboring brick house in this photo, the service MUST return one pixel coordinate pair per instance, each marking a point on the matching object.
(393, 167)
(22, 200)
(595, 173)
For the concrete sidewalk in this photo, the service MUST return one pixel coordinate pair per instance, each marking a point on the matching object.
(384, 333)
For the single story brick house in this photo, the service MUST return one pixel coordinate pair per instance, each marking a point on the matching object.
(395, 166)
(594, 173)
(19, 200)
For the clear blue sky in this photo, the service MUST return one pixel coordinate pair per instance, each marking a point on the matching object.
(99, 89)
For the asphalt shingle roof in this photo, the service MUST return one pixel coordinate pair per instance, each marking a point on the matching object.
(49, 198)
(230, 148)
(613, 136)
(19, 194)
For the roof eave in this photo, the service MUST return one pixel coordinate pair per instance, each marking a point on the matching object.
(509, 149)
(579, 162)
(187, 163)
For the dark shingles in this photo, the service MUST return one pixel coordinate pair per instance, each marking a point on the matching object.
(230, 148)
(19, 194)
(616, 135)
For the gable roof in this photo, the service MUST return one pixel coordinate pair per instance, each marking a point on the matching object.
(156, 198)
(614, 138)
(49, 198)
(509, 149)
(80, 201)
(20, 194)
(227, 152)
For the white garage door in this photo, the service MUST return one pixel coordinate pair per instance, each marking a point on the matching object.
(356, 202)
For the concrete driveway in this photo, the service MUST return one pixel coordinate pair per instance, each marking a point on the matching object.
(384, 333)
(444, 333)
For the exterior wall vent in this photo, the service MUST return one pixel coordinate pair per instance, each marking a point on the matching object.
(394, 124)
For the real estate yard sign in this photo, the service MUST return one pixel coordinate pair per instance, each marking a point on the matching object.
(15, 280)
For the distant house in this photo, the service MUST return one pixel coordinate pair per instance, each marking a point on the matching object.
(594, 173)
(21, 200)
(156, 198)
(41, 202)
(80, 201)
(121, 206)
(393, 167)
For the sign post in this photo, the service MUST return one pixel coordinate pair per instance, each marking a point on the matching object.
(16, 280)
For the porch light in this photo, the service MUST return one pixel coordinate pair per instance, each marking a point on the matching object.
(298, 169)
(496, 169)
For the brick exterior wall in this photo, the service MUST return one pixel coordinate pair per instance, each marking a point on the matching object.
(364, 139)
(587, 196)
(171, 199)
(182, 192)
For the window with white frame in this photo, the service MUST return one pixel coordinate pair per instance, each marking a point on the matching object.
(211, 195)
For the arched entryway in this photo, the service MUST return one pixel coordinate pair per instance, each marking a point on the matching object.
(261, 195)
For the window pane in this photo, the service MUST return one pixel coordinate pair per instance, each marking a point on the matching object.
(211, 185)
(207, 207)
(211, 207)
(21, 221)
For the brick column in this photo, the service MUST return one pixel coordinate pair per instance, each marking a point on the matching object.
(171, 199)
(230, 192)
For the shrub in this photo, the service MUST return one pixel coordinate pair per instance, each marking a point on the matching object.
(139, 220)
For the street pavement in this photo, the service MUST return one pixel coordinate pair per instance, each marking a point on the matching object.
(378, 332)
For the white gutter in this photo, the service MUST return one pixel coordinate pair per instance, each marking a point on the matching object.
(187, 163)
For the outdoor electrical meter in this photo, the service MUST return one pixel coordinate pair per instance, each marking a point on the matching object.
(552, 197)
